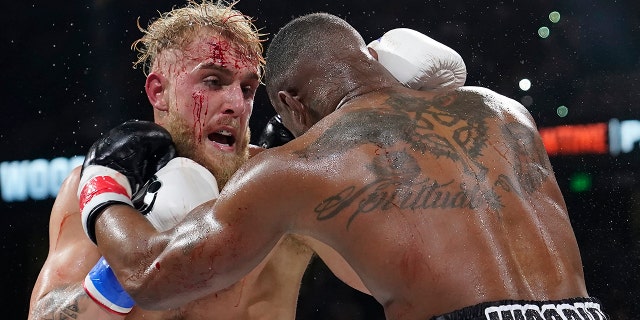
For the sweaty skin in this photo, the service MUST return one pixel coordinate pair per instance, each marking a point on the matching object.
(195, 94)
(72, 255)
(436, 202)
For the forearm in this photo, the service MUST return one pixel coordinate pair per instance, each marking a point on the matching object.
(69, 302)
(165, 270)
(149, 267)
(131, 245)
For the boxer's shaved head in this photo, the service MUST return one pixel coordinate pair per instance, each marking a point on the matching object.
(304, 54)
(288, 52)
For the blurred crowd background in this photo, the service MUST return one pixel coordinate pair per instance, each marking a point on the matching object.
(68, 78)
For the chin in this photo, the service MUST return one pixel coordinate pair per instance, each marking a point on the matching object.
(224, 164)
(221, 160)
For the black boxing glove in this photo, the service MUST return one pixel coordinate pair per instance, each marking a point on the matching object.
(274, 134)
(118, 165)
(165, 199)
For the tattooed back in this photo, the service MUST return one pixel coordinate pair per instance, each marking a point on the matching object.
(436, 201)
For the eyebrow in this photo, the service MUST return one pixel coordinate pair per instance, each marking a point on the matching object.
(211, 65)
(214, 66)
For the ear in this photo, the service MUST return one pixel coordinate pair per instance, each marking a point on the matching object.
(155, 89)
(295, 107)
(373, 53)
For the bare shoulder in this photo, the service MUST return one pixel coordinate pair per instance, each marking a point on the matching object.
(275, 163)
(65, 228)
(480, 91)
(66, 202)
(254, 150)
(499, 102)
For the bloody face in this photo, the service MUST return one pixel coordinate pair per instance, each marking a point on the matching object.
(210, 90)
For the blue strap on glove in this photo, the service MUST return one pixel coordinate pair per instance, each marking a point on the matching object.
(103, 287)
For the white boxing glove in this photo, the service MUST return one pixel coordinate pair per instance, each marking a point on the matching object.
(420, 62)
(177, 188)
(165, 199)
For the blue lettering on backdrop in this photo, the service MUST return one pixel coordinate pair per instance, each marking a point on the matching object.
(624, 136)
(37, 179)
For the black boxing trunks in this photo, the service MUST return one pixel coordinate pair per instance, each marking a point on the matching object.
(569, 309)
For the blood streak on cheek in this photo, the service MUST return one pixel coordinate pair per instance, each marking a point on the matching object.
(200, 110)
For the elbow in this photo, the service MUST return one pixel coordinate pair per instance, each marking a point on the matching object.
(152, 293)
(140, 292)
(155, 302)
(145, 293)
(146, 302)
(54, 303)
(36, 314)
(148, 285)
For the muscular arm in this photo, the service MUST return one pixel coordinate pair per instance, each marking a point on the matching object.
(212, 248)
(254, 150)
(58, 292)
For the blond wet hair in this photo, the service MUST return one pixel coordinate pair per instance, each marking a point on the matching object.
(176, 29)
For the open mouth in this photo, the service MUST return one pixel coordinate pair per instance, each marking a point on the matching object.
(223, 137)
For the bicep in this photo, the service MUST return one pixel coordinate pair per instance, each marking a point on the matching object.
(222, 240)
(66, 266)
(71, 254)
(251, 216)
(257, 203)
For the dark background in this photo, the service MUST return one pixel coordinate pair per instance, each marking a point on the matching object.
(68, 77)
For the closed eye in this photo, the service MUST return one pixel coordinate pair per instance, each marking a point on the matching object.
(212, 81)
(249, 91)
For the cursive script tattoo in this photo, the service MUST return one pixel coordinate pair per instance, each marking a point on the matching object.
(454, 127)
(386, 194)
